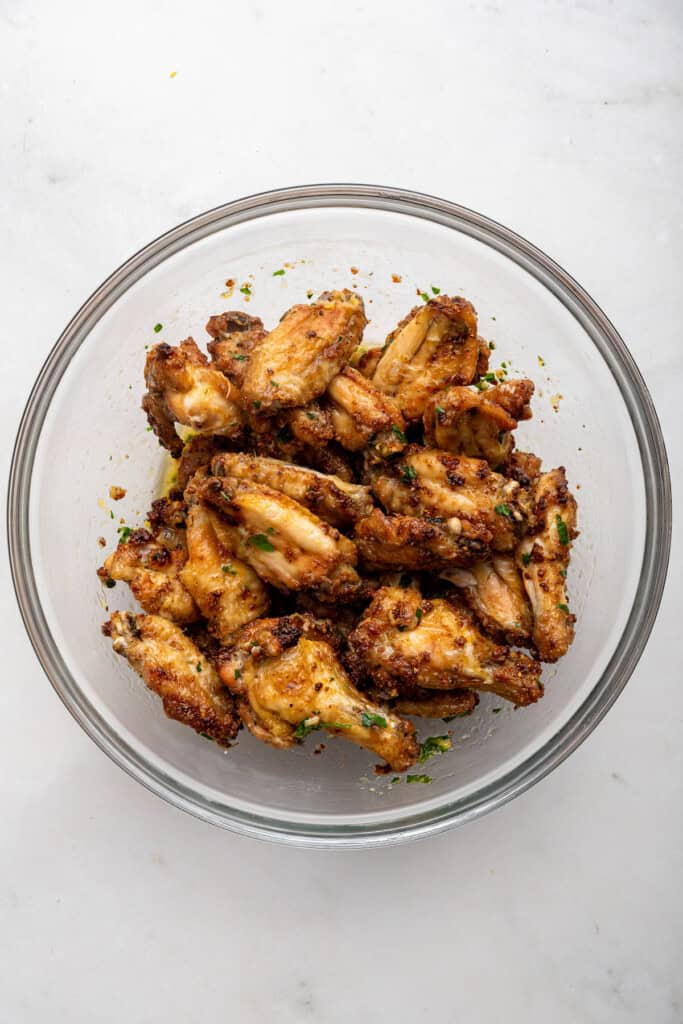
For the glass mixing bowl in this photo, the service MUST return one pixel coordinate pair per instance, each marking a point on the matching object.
(83, 431)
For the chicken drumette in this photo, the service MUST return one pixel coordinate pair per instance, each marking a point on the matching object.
(478, 423)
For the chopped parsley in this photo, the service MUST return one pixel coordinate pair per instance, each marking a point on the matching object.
(526, 558)
(309, 294)
(285, 435)
(434, 745)
(563, 573)
(260, 541)
(124, 533)
(399, 433)
(368, 718)
(490, 377)
(237, 673)
(496, 711)
(274, 384)
(503, 510)
(418, 778)
(460, 714)
(239, 357)
(246, 289)
(408, 473)
(226, 496)
(396, 778)
(199, 666)
(563, 608)
(562, 531)
(435, 290)
(228, 570)
(206, 736)
(481, 385)
(424, 296)
(439, 412)
(541, 360)
(418, 615)
(278, 273)
(157, 328)
(309, 725)
(257, 404)
(310, 415)
(492, 346)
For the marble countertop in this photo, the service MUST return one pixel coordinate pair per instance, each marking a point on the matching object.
(561, 120)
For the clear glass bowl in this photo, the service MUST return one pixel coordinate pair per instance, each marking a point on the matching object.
(83, 430)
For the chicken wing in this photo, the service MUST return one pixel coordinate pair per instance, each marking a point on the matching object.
(463, 491)
(337, 502)
(226, 590)
(151, 560)
(234, 337)
(292, 683)
(172, 666)
(295, 362)
(494, 590)
(543, 559)
(362, 416)
(183, 388)
(403, 638)
(285, 543)
(408, 542)
(434, 345)
(478, 423)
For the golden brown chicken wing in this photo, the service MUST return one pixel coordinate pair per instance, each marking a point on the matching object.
(543, 559)
(295, 362)
(434, 345)
(463, 491)
(403, 638)
(234, 337)
(227, 591)
(285, 543)
(409, 542)
(362, 416)
(183, 388)
(151, 560)
(337, 502)
(289, 683)
(172, 666)
(478, 423)
(494, 590)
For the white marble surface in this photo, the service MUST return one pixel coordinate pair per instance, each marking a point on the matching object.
(562, 120)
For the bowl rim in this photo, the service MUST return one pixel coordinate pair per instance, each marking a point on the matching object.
(656, 481)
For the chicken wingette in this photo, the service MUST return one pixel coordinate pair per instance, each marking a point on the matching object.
(404, 638)
(425, 481)
(337, 502)
(285, 543)
(494, 590)
(363, 417)
(478, 423)
(433, 346)
(151, 560)
(543, 558)
(174, 667)
(227, 591)
(409, 542)
(296, 361)
(289, 682)
(183, 388)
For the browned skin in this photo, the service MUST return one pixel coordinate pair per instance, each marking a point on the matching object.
(464, 492)
(422, 703)
(366, 360)
(285, 543)
(151, 561)
(363, 417)
(285, 676)
(175, 668)
(494, 590)
(197, 455)
(234, 336)
(433, 346)
(543, 560)
(403, 638)
(295, 362)
(478, 423)
(339, 503)
(407, 542)
(183, 388)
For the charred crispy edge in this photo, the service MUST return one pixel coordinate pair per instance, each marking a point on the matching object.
(197, 455)
(455, 307)
(232, 322)
(413, 532)
(268, 638)
(167, 512)
(436, 703)
(162, 424)
(525, 468)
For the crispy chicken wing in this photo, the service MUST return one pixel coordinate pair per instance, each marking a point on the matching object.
(337, 502)
(291, 683)
(362, 416)
(494, 590)
(434, 345)
(285, 543)
(478, 423)
(172, 666)
(151, 560)
(463, 491)
(543, 559)
(403, 638)
(234, 337)
(407, 542)
(183, 388)
(295, 362)
(226, 590)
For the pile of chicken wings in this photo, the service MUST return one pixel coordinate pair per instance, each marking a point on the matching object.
(352, 535)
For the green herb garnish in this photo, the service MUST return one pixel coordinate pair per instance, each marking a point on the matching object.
(418, 778)
(246, 289)
(237, 673)
(481, 385)
(439, 412)
(274, 384)
(396, 778)
(309, 725)
(435, 290)
(563, 573)
(309, 294)
(399, 433)
(492, 345)
(257, 404)
(424, 296)
(368, 718)
(239, 357)
(124, 533)
(503, 510)
(496, 711)
(278, 273)
(157, 328)
(260, 541)
(418, 615)
(562, 531)
(285, 435)
(563, 608)
(199, 666)
(434, 745)
(460, 714)
(228, 570)
(490, 377)
(408, 473)
(310, 415)
(226, 496)
(526, 558)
